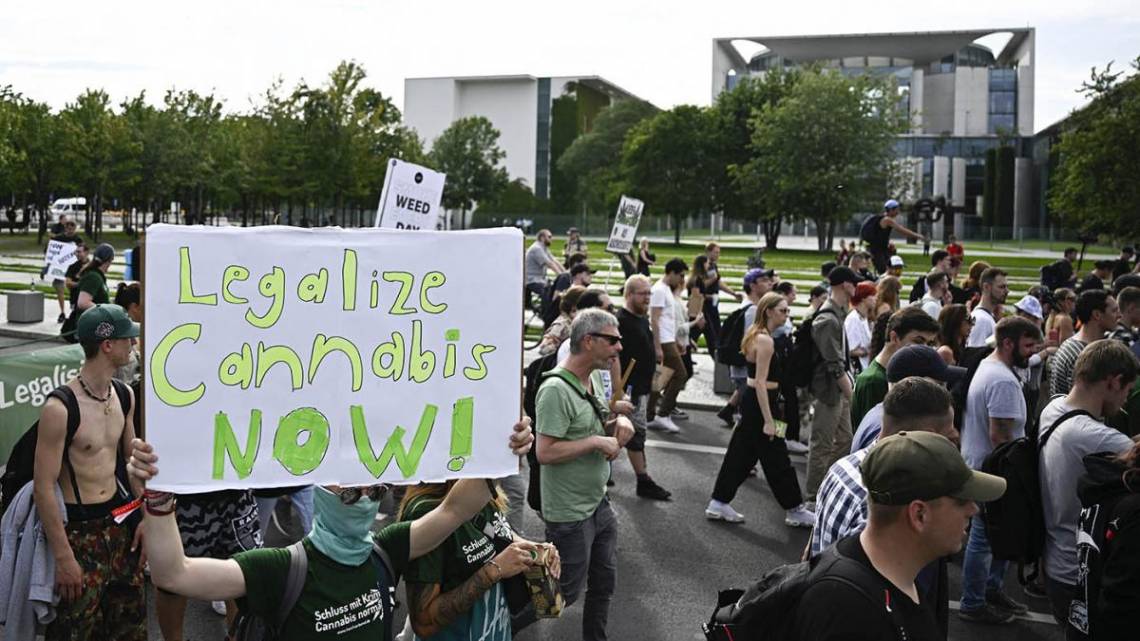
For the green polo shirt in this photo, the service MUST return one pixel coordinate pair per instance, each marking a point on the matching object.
(870, 390)
(571, 490)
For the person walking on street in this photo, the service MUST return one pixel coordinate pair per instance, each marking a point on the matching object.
(98, 569)
(760, 433)
(663, 321)
(1098, 313)
(637, 345)
(995, 413)
(576, 442)
(832, 381)
(994, 289)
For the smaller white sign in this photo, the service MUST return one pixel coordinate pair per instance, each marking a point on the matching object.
(410, 198)
(625, 225)
(58, 257)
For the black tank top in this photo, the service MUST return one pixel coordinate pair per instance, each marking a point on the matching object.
(780, 353)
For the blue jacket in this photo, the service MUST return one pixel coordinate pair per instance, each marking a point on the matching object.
(27, 568)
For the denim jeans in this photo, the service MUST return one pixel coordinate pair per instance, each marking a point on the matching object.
(302, 502)
(588, 549)
(980, 571)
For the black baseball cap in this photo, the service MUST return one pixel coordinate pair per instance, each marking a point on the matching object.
(842, 274)
(923, 466)
(581, 267)
(921, 360)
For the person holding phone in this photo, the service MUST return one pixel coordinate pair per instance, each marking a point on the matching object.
(760, 433)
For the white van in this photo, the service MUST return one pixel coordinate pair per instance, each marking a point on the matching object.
(70, 207)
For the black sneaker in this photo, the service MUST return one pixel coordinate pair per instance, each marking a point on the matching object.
(987, 614)
(1002, 601)
(61, 318)
(728, 415)
(1035, 590)
(648, 489)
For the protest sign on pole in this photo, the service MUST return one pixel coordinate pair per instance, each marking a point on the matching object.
(625, 225)
(58, 257)
(410, 197)
(281, 356)
(25, 380)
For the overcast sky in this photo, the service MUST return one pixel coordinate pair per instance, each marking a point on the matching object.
(660, 50)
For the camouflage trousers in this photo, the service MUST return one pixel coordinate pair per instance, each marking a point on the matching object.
(112, 606)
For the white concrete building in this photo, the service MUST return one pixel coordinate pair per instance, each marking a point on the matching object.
(963, 97)
(520, 107)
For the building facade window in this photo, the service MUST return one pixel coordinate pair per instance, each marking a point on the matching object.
(1003, 101)
(542, 146)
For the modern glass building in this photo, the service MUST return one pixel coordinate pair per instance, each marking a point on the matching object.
(963, 97)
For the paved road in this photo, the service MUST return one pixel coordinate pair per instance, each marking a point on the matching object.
(672, 561)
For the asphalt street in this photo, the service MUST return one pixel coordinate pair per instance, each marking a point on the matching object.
(672, 562)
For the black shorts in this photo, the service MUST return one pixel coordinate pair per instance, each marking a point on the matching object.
(218, 525)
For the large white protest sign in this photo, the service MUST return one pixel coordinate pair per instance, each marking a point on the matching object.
(410, 198)
(625, 225)
(281, 356)
(58, 257)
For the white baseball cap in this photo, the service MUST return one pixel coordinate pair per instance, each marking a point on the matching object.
(1031, 306)
(897, 261)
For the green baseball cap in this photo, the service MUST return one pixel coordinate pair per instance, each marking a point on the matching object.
(922, 466)
(104, 322)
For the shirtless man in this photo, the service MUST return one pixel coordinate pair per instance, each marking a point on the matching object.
(98, 571)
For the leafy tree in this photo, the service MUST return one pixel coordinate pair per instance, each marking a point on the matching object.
(734, 111)
(593, 161)
(825, 150)
(468, 152)
(669, 161)
(1095, 187)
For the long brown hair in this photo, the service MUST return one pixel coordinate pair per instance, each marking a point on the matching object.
(975, 275)
(950, 321)
(438, 491)
(889, 288)
(767, 303)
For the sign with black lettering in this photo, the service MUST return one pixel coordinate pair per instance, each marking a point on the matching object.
(410, 198)
(625, 225)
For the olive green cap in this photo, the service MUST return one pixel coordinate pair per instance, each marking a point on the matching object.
(105, 322)
(922, 466)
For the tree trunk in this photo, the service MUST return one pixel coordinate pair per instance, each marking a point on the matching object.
(772, 231)
(677, 230)
(823, 243)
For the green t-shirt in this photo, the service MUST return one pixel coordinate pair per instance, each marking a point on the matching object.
(94, 282)
(338, 601)
(455, 561)
(870, 390)
(571, 490)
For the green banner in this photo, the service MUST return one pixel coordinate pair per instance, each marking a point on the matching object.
(25, 381)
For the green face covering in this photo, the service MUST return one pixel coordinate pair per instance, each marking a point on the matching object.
(341, 531)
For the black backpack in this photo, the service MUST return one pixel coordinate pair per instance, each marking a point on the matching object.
(20, 469)
(766, 610)
(972, 357)
(250, 627)
(869, 231)
(533, 376)
(732, 334)
(1015, 523)
(534, 490)
(805, 356)
(1053, 275)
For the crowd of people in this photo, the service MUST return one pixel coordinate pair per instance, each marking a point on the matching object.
(898, 406)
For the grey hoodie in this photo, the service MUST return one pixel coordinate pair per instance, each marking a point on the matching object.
(27, 568)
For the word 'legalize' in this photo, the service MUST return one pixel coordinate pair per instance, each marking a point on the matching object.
(303, 436)
(406, 353)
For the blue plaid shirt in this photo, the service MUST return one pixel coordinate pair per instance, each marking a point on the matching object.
(841, 503)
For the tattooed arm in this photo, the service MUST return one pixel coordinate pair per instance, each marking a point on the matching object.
(433, 610)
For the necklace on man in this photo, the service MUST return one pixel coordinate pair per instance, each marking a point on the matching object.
(106, 400)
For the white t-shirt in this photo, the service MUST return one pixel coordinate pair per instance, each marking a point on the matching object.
(858, 332)
(932, 306)
(995, 392)
(1061, 465)
(983, 327)
(661, 297)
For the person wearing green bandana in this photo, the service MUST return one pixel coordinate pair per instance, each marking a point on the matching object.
(456, 592)
(345, 595)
